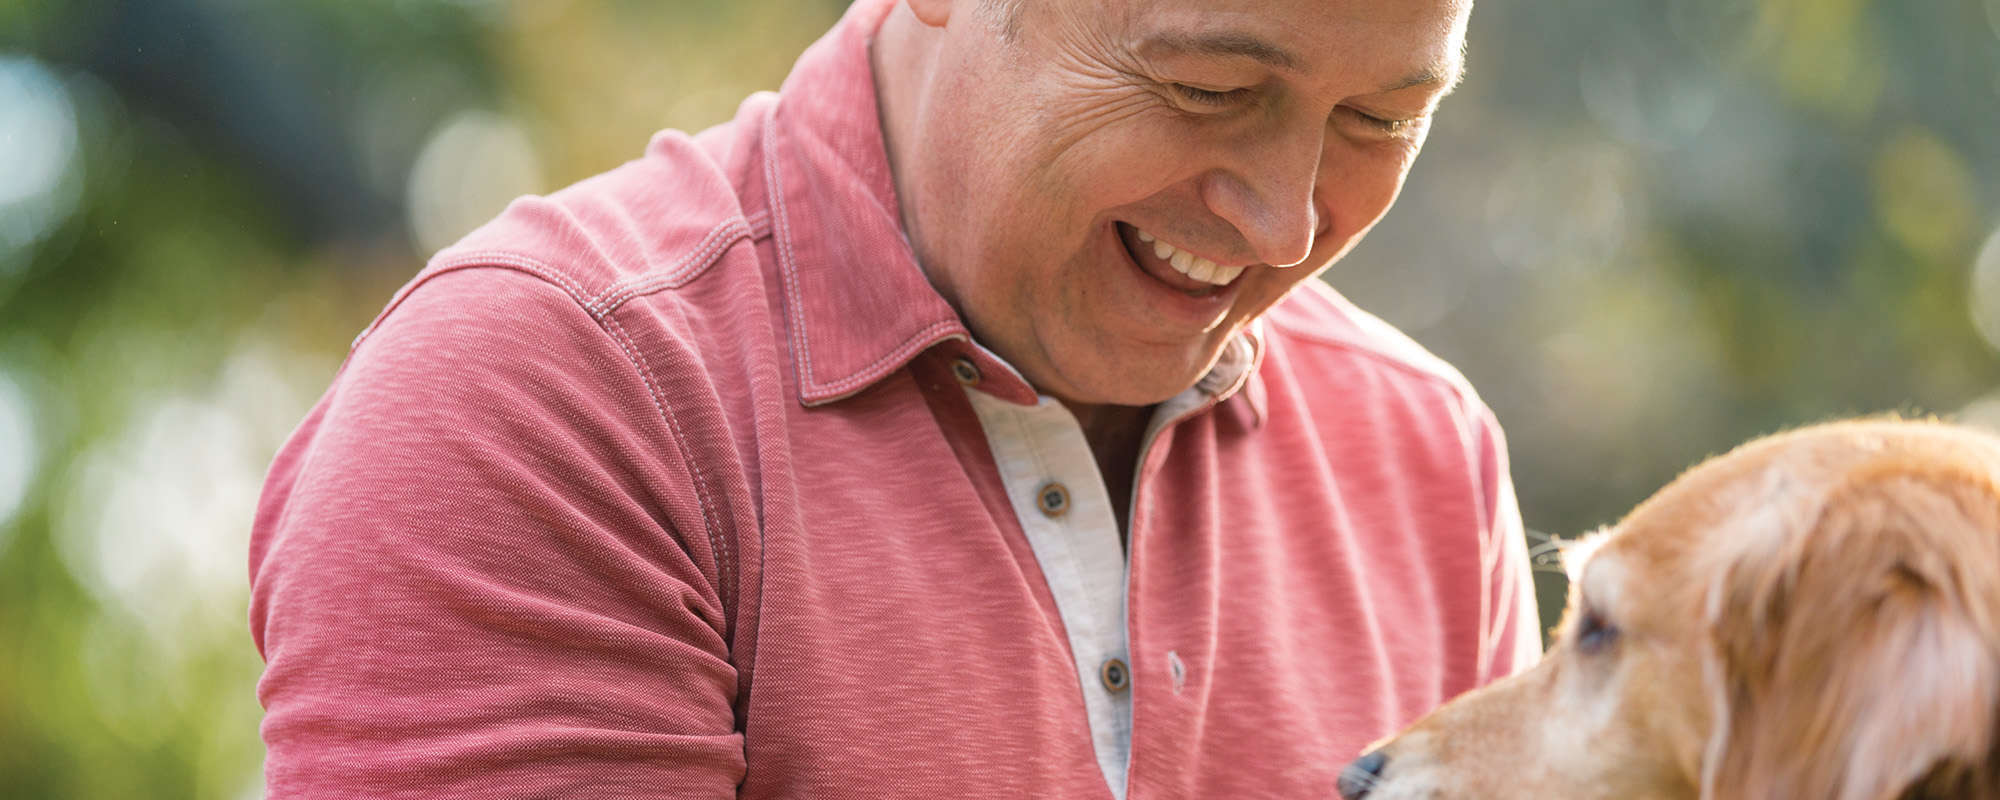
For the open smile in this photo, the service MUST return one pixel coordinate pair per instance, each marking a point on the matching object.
(1175, 266)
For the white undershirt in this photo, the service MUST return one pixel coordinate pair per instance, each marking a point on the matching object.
(1079, 548)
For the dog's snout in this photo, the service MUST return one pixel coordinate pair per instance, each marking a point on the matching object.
(1359, 777)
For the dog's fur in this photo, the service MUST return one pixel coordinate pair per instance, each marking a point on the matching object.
(1814, 616)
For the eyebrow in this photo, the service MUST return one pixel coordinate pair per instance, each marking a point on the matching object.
(1446, 77)
(1451, 79)
(1226, 43)
(1430, 76)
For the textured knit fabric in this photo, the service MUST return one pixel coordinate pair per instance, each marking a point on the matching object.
(665, 486)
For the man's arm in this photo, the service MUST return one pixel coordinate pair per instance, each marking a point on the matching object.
(468, 577)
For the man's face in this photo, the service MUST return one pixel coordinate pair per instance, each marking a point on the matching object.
(1266, 135)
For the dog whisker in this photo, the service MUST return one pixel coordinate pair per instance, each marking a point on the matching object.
(1546, 557)
(1538, 536)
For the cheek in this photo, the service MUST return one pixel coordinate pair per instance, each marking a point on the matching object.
(1360, 183)
(1274, 284)
(1115, 141)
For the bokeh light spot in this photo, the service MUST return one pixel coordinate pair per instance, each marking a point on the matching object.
(1985, 294)
(1981, 413)
(1569, 207)
(1829, 57)
(470, 169)
(38, 127)
(156, 518)
(1923, 194)
(17, 453)
(1722, 32)
(38, 142)
(1646, 94)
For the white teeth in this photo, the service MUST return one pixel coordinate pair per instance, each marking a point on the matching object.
(1189, 264)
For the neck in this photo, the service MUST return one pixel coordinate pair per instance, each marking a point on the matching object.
(902, 54)
(1104, 426)
(1115, 434)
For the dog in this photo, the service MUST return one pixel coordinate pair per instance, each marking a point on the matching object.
(1812, 616)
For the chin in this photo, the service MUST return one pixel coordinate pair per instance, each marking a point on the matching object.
(1115, 383)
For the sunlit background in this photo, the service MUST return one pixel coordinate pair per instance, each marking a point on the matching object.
(1645, 230)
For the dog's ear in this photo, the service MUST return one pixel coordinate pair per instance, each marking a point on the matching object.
(1856, 659)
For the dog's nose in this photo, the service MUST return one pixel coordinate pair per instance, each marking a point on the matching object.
(1359, 777)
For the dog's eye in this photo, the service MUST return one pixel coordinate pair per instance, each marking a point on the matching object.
(1593, 634)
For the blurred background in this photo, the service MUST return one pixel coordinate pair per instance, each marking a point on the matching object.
(1646, 231)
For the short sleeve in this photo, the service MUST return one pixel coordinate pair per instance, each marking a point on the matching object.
(469, 570)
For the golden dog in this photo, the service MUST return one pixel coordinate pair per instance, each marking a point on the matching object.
(1813, 616)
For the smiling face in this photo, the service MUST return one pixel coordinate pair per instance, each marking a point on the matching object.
(1109, 190)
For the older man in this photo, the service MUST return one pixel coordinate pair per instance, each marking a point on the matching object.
(963, 420)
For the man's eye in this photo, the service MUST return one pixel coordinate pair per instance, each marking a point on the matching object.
(1383, 125)
(1208, 97)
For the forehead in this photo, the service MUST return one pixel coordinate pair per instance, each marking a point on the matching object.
(1367, 11)
(1303, 23)
(1293, 35)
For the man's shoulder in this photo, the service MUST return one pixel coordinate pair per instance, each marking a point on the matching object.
(652, 224)
(1324, 333)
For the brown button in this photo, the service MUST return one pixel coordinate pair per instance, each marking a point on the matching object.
(1052, 499)
(965, 371)
(1117, 677)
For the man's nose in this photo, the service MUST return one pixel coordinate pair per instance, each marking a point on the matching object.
(1268, 195)
(1360, 777)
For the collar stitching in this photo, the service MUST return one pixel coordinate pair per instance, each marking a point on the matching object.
(903, 350)
(788, 262)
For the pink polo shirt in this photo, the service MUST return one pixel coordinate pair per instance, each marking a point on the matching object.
(667, 486)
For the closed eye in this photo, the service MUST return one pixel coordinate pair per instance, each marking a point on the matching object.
(1209, 97)
(1382, 125)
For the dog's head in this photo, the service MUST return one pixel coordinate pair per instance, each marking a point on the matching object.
(1814, 615)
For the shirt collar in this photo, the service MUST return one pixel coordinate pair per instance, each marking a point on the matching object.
(860, 307)
(1235, 374)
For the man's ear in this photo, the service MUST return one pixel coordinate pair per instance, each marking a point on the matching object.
(934, 13)
(1856, 659)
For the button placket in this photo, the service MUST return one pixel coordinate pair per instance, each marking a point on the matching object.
(1052, 484)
